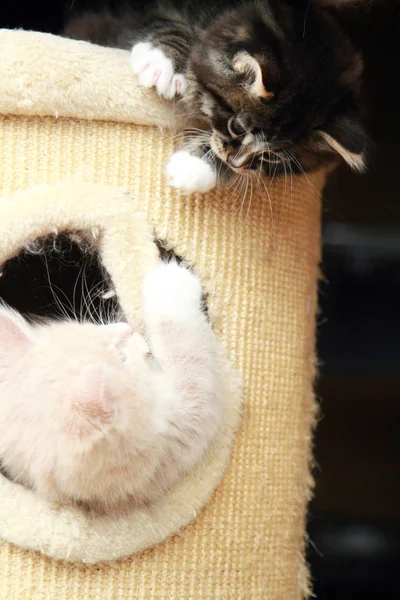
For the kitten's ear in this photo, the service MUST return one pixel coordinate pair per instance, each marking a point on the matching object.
(91, 404)
(255, 72)
(14, 341)
(347, 137)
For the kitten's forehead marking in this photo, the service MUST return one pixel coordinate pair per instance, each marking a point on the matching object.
(244, 63)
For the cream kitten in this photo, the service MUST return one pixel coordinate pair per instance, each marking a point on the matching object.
(98, 416)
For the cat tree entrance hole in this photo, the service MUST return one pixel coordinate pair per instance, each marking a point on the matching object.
(61, 275)
(58, 276)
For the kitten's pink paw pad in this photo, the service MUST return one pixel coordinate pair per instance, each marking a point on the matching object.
(190, 173)
(155, 70)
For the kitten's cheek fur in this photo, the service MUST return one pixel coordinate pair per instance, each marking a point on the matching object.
(190, 173)
(156, 70)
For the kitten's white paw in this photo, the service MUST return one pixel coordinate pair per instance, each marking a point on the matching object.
(172, 290)
(156, 70)
(190, 173)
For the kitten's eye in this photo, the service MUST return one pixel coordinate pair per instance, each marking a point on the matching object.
(235, 128)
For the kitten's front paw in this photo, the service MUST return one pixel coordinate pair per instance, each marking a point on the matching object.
(190, 173)
(171, 290)
(156, 70)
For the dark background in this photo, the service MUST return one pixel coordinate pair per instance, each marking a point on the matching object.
(355, 516)
(354, 519)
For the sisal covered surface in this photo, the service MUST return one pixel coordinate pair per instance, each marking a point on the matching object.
(260, 269)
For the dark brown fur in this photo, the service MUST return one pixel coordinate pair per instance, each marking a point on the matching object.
(307, 109)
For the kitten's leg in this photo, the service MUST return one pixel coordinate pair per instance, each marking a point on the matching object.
(172, 307)
(155, 69)
(182, 342)
(195, 167)
(160, 59)
(190, 173)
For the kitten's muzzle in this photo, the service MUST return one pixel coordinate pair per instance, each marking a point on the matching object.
(239, 162)
(229, 152)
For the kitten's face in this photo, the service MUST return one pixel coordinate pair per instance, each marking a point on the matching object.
(87, 372)
(279, 89)
(85, 405)
(97, 368)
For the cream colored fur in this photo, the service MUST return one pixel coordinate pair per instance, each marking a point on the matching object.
(109, 217)
(87, 81)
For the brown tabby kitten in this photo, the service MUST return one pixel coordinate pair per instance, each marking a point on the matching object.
(274, 84)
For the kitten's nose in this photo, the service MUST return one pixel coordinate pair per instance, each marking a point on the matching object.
(234, 144)
(231, 150)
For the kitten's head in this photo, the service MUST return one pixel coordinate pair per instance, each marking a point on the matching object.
(83, 389)
(90, 369)
(280, 86)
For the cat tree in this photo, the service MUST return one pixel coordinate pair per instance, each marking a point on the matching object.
(80, 150)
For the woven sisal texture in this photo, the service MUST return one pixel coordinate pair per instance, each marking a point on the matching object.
(259, 262)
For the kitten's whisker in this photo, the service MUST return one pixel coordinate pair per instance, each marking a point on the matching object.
(238, 188)
(284, 169)
(97, 293)
(91, 310)
(74, 292)
(196, 130)
(250, 199)
(287, 159)
(261, 180)
(302, 171)
(58, 302)
(243, 199)
(52, 288)
(234, 180)
(85, 310)
(220, 166)
(190, 137)
(238, 180)
(105, 307)
(209, 155)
